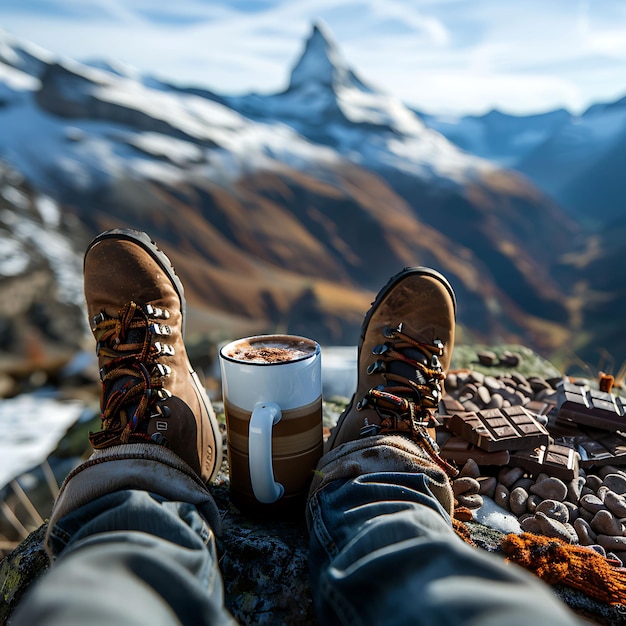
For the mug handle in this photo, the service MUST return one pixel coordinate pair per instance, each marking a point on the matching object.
(265, 488)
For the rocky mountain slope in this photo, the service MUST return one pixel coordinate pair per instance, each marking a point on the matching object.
(288, 211)
(574, 158)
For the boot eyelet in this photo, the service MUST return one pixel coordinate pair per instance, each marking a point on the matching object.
(377, 367)
(380, 349)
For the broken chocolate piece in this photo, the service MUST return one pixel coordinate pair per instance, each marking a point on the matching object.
(600, 447)
(460, 451)
(510, 428)
(591, 407)
(554, 459)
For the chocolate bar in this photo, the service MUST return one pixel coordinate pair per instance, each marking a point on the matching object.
(510, 428)
(554, 459)
(590, 407)
(460, 451)
(602, 448)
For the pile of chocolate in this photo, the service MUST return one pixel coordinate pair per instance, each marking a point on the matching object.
(552, 452)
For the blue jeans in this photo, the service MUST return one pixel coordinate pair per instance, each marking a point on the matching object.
(382, 552)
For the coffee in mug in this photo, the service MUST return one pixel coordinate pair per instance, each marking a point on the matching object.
(272, 390)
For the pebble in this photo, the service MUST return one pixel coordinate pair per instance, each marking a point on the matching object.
(616, 504)
(471, 500)
(602, 491)
(552, 528)
(610, 542)
(508, 476)
(470, 469)
(586, 535)
(615, 483)
(465, 485)
(533, 502)
(593, 482)
(605, 523)
(553, 509)
(518, 501)
(531, 525)
(550, 489)
(501, 496)
(492, 383)
(487, 357)
(592, 503)
(488, 486)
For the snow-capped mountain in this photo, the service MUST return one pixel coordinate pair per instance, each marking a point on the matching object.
(288, 210)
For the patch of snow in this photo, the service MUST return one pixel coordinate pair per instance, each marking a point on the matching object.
(13, 258)
(31, 426)
(49, 211)
(492, 515)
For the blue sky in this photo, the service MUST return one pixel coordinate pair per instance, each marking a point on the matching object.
(441, 56)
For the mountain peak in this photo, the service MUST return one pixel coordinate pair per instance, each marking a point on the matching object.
(322, 63)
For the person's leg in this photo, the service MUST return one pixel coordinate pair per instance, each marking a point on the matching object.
(383, 550)
(130, 558)
(132, 527)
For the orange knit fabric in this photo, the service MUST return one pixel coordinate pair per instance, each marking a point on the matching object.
(557, 562)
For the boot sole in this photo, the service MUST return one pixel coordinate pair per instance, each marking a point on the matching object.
(407, 271)
(143, 240)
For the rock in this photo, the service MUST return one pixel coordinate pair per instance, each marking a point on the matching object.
(488, 486)
(465, 485)
(616, 504)
(553, 509)
(487, 357)
(585, 514)
(586, 535)
(596, 547)
(592, 503)
(451, 382)
(492, 383)
(518, 501)
(611, 542)
(594, 482)
(509, 475)
(602, 491)
(524, 482)
(551, 528)
(495, 402)
(470, 469)
(531, 525)
(478, 378)
(605, 523)
(572, 510)
(471, 501)
(533, 502)
(509, 359)
(550, 489)
(483, 396)
(501, 496)
(574, 489)
(615, 483)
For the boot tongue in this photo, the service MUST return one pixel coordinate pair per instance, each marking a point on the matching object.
(406, 370)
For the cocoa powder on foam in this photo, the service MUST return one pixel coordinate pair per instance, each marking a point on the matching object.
(259, 353)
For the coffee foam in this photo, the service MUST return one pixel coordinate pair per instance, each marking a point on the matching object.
(270, 350)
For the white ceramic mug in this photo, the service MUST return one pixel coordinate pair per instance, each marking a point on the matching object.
(272, 390)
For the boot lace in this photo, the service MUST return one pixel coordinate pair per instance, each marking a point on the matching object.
(132, 381)
(406, 406)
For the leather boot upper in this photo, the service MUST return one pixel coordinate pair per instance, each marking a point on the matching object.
(150, 392)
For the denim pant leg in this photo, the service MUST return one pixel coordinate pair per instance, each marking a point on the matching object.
(129, 558)
(383, 552)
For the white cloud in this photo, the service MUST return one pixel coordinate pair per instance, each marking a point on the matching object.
(455, 55)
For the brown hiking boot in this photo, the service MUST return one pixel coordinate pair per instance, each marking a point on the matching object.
(150, 393)
(404, 353)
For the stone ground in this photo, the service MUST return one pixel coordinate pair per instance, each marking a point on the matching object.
(264, 564)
